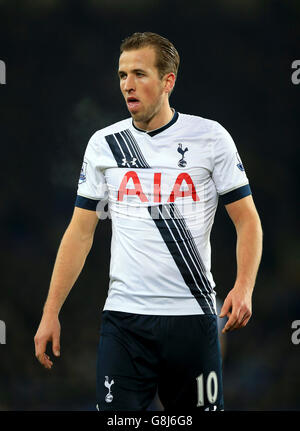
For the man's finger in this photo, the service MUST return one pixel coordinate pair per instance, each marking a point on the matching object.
(240, 322)
(231, 322)
(243, 317)
(45, 361)
(245, 321)
(245, 314)
(40, 353)
(40, 346)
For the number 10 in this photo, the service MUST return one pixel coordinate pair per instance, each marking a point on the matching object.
(211, 393)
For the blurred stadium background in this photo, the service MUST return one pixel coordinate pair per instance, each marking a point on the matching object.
(61, 58)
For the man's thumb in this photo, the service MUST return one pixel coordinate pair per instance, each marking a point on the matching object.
(56, 347)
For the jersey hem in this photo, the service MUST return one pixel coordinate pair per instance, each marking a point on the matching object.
(233, 188)
(156, 312)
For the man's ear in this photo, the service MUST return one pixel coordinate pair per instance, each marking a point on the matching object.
(170, 79)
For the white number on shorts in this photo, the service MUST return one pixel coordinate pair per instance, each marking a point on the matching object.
(211, 388)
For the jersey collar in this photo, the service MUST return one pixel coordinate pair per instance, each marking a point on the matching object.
(160, 129)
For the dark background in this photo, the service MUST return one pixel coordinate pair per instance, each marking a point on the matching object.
(61, 59)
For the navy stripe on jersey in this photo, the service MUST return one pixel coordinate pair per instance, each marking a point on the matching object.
(136, 147)
(86, 203)
(186, 236)
(125, 150)
(191, 243)
(236, 194)
(182, 247)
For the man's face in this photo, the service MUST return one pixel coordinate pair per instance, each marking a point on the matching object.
(141, 86)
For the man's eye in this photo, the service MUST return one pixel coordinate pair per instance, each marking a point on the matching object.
(140, 74)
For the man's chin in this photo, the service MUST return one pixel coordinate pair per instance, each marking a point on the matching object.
(140, 117)
(136, 116)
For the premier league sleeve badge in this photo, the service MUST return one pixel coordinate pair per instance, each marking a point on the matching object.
(82, 176)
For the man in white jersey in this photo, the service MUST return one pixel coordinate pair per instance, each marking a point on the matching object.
(162, 173)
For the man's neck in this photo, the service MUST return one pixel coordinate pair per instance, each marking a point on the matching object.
(157, 121)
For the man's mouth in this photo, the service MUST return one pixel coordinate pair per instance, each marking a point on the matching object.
(132, 102)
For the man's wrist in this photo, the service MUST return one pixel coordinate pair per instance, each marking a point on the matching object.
(246, 286)
(51, 311)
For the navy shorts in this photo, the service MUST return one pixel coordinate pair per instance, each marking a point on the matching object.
(177, 356)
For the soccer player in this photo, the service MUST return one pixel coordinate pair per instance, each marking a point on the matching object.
(162, 173)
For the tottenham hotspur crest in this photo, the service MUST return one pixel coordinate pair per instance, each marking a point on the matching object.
(109, 397)
(182, 162)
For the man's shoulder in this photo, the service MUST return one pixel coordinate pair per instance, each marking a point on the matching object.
(196, 121)
(112, 128)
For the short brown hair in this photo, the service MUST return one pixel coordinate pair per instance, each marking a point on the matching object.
(167, 57)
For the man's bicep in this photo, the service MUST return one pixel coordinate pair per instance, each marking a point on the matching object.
(84, 222)
(242, 210)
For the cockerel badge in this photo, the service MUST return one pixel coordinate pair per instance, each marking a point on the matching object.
(182, 161)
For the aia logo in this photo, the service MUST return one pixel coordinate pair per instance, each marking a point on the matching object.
(176, 191)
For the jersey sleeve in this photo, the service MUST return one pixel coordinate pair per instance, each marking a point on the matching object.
(91, 185)
(228, 172)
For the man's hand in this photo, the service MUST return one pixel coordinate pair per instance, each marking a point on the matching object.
(49, 330)
(237, 307)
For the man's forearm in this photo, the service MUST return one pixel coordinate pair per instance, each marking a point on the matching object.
(238, 303)
(70, 260)
(248, 251)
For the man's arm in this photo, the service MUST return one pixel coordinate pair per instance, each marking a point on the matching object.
(73, 250)
(237, 305)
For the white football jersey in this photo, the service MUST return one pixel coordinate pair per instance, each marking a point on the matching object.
(162, 189)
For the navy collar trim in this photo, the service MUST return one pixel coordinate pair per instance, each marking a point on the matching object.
(160, 129)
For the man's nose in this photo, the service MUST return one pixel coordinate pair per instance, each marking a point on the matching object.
(129, 83)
